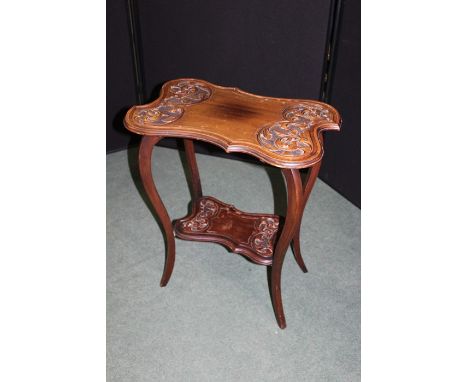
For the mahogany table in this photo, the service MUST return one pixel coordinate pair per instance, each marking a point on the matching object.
(285, 133)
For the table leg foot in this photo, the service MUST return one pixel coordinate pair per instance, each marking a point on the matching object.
(296, 247)
(144, 162)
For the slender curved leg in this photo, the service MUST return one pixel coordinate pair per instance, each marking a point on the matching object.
(294, 185)
(296, 242)
(144, 162)
(195, 185)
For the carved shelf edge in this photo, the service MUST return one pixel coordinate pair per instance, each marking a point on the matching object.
(285, 133)
(251, 235)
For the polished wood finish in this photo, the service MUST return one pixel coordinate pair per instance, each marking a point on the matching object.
(285, 133)
(282, 132)
(312, 174)
(251, 235)
(144, 160)
(195, 183)
(294, 186)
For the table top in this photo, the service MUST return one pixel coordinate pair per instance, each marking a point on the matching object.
(282, 132)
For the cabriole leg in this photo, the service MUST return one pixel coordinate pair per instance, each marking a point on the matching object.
(144, 162)
(195, 185)
(294, 186)
(296, 242)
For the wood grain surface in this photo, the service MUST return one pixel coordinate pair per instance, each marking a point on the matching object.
(281, 132)
(251, 235)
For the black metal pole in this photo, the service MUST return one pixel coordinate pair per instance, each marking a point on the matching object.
(135, 41)
(330, 49)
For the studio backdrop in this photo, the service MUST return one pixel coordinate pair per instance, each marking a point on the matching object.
(279, 48)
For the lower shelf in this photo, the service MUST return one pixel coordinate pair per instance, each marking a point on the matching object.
(251, 235)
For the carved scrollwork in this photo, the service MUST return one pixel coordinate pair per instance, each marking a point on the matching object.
(306, 113)
(171, 108)
(201, 221)
(262, 239)
(188, 93)
(287, 137)
(159, 115)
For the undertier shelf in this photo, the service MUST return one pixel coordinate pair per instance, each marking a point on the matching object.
(251, 235)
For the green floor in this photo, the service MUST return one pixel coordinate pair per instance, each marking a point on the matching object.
(214, 321)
